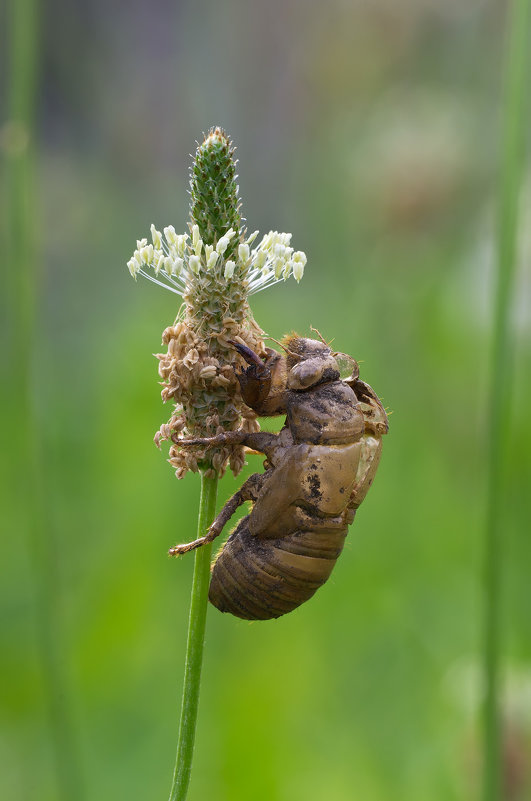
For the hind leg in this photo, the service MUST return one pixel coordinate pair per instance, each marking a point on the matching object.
(247, 492)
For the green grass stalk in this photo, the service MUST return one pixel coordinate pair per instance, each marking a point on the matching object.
(19, 171)
(28, 465)
(512, 170)
(195, 642)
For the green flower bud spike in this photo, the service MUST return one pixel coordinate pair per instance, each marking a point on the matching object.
(215, 206)
(214, 268)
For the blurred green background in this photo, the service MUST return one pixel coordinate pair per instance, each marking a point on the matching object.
(371, 131)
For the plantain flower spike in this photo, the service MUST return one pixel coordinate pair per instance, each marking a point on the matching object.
(214, 268)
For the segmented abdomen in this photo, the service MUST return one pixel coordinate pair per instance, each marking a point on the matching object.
(258, 579)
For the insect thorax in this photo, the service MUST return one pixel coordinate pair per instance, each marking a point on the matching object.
(327, 413)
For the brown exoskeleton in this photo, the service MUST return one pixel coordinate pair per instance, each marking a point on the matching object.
(318, 470)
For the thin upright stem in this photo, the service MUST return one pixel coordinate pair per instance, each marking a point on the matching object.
(28, 464)
(194, 646)
(512, 170)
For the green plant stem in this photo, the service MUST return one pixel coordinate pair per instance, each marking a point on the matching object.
(512, 169)
(194, 646)
(28, 467)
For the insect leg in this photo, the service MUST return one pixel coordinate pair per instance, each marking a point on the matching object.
(255, 381)
(247, 492)
(260, 441)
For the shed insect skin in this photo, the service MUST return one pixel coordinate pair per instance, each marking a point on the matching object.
(318, 470)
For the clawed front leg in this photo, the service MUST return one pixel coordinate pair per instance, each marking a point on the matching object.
(247, 492)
